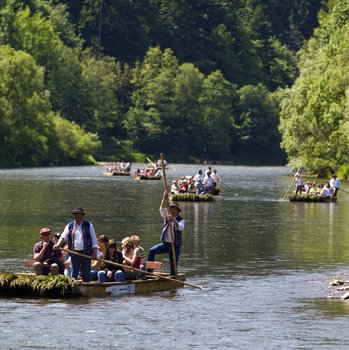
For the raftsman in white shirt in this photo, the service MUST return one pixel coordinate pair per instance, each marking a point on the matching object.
(167, 235)
(78, 236)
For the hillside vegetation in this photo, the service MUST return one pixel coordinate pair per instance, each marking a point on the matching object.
(229, 81)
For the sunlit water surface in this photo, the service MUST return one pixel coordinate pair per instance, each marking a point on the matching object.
(264, 263)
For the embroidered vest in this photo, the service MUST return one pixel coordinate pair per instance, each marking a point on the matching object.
(85, 225)
(176, 233)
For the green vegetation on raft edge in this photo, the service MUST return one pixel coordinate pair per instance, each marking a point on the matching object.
(27, 285)
(192, 197)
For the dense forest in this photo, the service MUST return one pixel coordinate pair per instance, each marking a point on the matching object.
(242, 81)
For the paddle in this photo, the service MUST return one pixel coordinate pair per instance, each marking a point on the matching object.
(168, 209)
(71, 252)
(152, 164)
(29, 262)
(341, 189)
(291, 182)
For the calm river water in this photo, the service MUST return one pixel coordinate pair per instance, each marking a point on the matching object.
(264, 263)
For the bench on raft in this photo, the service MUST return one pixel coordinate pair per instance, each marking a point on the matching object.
(154, 265)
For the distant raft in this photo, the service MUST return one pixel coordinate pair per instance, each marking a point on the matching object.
(116, 173)
(312, 198)
(139, 176)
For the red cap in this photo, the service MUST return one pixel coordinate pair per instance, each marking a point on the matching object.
(44, 230)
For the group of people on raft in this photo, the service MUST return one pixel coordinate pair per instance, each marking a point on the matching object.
(327, 190)
(197, 184)
(122, 167)
(90, 259)
(152, 170)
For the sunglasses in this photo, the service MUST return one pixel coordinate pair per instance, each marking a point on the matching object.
(45, 234)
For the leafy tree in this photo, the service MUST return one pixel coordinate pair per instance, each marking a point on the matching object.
(257, 114)
(29, 131)
(117, 28)
(186, 123)
(70, 144)
(153, 84)
(99, 81)
(218, 121)
(24, 129)
(314, 118)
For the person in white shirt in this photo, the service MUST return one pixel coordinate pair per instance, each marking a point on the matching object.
(325, 192)
(198, 182)
(81, 238)
(174, 187)
(208, 183)
(215, 177)
(335, 185)
(171, 217)
(299, 183)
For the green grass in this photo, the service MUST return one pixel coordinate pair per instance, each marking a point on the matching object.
(192, 197)
(26, 285)
(305, 198)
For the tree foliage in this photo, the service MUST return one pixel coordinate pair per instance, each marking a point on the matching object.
(196, 79)
(314, 116)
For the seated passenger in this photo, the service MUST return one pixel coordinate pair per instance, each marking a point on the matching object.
(110, 272)
(183, 187)
(174, 188)
(47, 259)
(132, 257)
(96, 265)
(67, 262)
(326, 191)
(191, 185)
(307, 187)
(136, 241)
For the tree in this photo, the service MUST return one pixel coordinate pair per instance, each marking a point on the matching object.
(153, 91)
(314, 117)
(24, 128)
(218, 121)
(257, 114)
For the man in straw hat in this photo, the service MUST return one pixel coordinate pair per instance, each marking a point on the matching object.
(170, 217)
(81, 238)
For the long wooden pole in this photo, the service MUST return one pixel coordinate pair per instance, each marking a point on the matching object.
(152, 164)
(168, 209)
(292, 182)
(72, 252)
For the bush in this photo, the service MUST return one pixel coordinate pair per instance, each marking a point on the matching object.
(343, 172)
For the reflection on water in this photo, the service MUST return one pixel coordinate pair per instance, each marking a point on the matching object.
(264, 262)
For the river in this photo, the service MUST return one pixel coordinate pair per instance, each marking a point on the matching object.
(264, 263)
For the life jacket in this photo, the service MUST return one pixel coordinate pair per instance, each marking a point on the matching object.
(176, 233)
(85, 225)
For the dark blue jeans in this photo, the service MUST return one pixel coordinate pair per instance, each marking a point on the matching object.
(162, 248)
(81, 265)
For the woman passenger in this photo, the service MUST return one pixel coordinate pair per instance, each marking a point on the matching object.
(96, 265)
(132, 257)
(111, 272)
